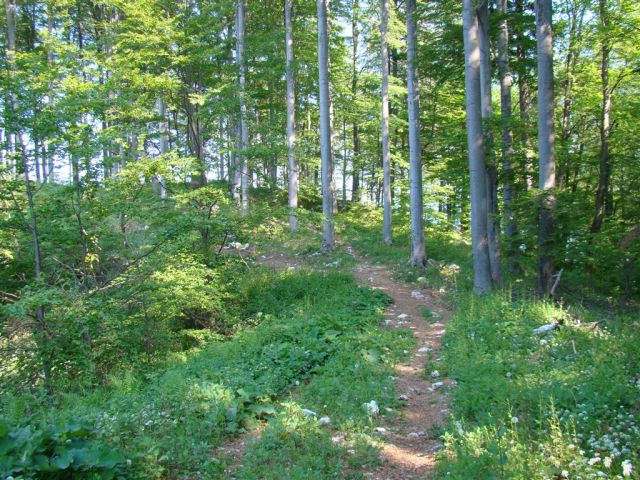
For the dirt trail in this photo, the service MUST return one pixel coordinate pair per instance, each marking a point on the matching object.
(408, 441)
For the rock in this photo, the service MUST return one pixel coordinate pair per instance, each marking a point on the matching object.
(381, 430)
(424, 350)
(403, 398)
(435, 374)
(413, 435)
(421, 280)
(402, 316)
(435, 386)
(309, 413)
(325, 420)
(416, 294)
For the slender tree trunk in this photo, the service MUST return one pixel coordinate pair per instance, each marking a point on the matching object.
(159, 184)
(223, 155)
(386, 160)
(10, 47)
(493, 227)
(291, 119)
(355, 30)
(244, 131)
(605, 126)
(523, 105)
(415, 163)
(504, 73)
(571, 60)
(326, 154)
(481, 265)
(546, 140)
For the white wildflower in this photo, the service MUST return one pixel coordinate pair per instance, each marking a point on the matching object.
(607, 462)
(627, 468)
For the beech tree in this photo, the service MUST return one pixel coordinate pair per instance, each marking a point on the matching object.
(386, 154)
(546, 145)
(415, 161)
(326, 149)
(291, 119)
(475, 140)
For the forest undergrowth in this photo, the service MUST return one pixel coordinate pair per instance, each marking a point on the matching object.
(563, 404)
(297, 352)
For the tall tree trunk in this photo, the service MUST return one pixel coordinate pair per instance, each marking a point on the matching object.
(355, 30)
(605, 125)
(10, 47)
(158, 185)
(493, 227)
(546, 145)
(415, 163)
(244, 131)
(479, 243)
(223, 155)
(504, 73)
(326, 153)
(386, 160)
(575, 29)
(523, 104)
(291, 119)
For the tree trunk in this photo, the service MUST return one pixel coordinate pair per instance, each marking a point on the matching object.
(326, 154)
(10, 48)
(159, 184)
(475, 140)
(291, 120)
(415, 164)
(244, 131)
(355, 162)
(546, 145)
(493, 227)
(386, 161)
(575, 28)
(605, 126)
(504, 73)
(523, 105)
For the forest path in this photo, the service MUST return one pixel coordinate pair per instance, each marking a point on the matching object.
(409, 439)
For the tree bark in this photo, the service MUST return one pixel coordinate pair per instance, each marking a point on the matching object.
(326, 154)
(504, 73)
(291, 120)
(605, 126)
(386, 160)
(479, 242)
(355, 31)
(546, 145)
(415, 164)
(158, 185)
(244, 131)
(523, 105)
(493, 227)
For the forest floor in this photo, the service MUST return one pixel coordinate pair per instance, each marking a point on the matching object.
(409, 439)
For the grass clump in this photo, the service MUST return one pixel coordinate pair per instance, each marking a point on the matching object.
(564, 405)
